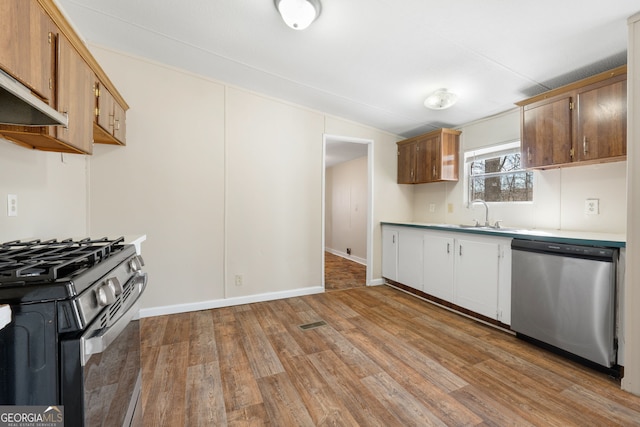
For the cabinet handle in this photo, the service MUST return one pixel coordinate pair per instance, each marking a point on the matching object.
(529, 154)
(448, 248)
(394, 239)
(117, 124)
(585, 146)
(434, 171)
(460, 250)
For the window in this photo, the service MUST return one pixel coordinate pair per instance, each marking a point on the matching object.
(495, 174)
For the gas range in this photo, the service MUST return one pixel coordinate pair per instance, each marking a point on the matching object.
(75, 304)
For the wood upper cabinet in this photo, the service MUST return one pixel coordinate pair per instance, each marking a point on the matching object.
(431, 157)
(110, 120)
(601, 117)
(407, 161)
(40, 48)
(546, 132)
(584, 122)
(75, 98)
(27, 47)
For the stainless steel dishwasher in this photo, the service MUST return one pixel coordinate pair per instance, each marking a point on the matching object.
(564, 296)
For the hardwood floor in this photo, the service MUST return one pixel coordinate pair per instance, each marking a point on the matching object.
(383, 358)
(341, 273)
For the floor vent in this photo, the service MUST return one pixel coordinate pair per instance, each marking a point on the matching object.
(313, 325)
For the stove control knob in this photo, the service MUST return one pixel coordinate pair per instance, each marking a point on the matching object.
(115, 284)
(136, 263)
(105, 295)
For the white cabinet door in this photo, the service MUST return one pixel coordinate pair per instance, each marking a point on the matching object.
(410, 257)
(438, 266)
(477, 276)
(389, 253)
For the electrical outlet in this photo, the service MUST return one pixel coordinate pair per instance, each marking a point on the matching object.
(348, 251)
(238, 279)
(449, 207)
(592, 207)
(432, 207)
(12, 205)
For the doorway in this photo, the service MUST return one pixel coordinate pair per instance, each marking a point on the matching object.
(347, 206)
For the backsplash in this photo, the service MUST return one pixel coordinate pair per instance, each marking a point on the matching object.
(51, 190)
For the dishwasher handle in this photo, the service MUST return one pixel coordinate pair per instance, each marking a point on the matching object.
(598, 253)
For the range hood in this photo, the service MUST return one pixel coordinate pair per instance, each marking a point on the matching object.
(18, 106)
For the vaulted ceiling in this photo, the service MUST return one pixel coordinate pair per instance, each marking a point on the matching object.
(374, 61)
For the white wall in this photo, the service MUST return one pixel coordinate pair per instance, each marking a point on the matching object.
(631, 380)
(274, 195)
(168, 182)
(224, 182)
(559, 194)
(346, 208)
(51, 190)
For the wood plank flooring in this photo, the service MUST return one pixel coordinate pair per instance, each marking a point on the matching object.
(341, 273)
(384, 358)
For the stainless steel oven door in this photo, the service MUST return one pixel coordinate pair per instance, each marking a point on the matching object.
(110, 359)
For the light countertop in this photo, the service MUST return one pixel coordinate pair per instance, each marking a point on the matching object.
(615, 240)
(5, 315)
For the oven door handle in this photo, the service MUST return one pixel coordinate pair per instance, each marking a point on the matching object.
(99, 343)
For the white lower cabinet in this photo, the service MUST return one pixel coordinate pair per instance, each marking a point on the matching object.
(438, 265)
(390, 253)
(410, 257)
(468, 270)
(476, 276)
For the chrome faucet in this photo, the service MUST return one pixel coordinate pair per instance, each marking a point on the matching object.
(486, 211)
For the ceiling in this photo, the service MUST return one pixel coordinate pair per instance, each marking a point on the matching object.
(374, 61)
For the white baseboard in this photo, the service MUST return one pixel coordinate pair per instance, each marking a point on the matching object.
(376, 282)
(359, 260)
(227, 302)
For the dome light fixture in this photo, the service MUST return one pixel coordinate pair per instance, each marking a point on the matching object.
(440, 99)
(298, 14)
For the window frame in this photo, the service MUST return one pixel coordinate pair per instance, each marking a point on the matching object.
(489, 152)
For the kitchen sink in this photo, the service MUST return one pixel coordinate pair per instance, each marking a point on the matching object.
(483, 228)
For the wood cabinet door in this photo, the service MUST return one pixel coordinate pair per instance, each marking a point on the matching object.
(434, 159)
(120, 123)
(601, 130)
(27, 50)
(406, 163)
(546, 133)
(75, 97)
(423, 171)
(106, 103)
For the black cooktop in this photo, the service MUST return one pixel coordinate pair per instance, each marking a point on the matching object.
(56, 269)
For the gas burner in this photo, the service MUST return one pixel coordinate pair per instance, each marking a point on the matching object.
(50, 260)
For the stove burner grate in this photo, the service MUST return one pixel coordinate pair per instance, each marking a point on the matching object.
(51, 260)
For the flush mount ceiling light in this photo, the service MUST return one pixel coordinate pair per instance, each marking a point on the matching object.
(440, 99)
(298, 14)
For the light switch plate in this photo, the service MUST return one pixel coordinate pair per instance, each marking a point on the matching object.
(592, 207)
